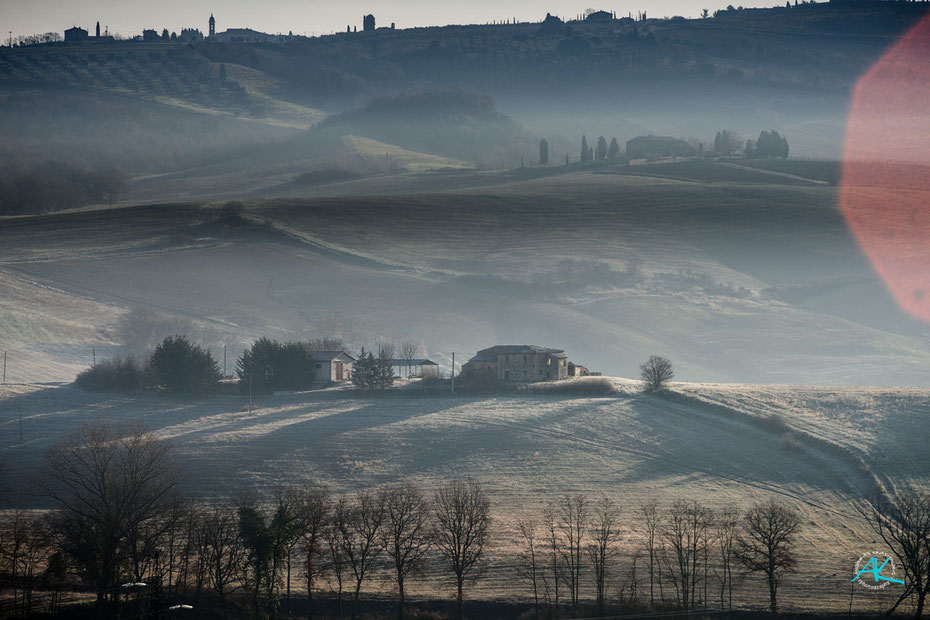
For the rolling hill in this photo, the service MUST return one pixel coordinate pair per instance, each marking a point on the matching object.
(820, 449)
(748, 280)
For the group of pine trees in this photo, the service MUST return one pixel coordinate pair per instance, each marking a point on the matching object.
(372, 373)
(601, 152)
(770, 145)
(270, 365)
(178, 365)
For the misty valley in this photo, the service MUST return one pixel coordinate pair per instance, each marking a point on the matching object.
(599, 315)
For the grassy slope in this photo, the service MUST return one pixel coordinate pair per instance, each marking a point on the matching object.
(705, 442)
(454, 269)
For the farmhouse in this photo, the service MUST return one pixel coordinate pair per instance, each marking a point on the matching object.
(75, 34)
(519, 363)
(332, 366)
(599, 16)
(653, 147)
(404, 369)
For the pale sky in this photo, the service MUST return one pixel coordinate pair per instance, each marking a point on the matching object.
(312, 17)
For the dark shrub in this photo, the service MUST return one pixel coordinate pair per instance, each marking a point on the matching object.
(115, 375)
(181, 366)
(272, 365)
(594, 386)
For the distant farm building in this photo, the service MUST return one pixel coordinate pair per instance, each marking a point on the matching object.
(577, 370)
(551, 25)
(75, 34)
(599, 16)
(406, 369)
(332, 366)
(518, 363)
(654, 147)
(368, 23)
(245, 35)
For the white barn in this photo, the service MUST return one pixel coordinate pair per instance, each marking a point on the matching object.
(332, 366)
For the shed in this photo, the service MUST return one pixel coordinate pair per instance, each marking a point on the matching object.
(332, 366)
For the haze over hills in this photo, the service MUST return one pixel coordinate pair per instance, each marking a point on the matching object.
(446, 190)
(696, 270)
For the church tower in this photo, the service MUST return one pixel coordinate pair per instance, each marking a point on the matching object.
(212, 26)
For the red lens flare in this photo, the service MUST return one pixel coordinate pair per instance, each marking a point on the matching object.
(885, 193)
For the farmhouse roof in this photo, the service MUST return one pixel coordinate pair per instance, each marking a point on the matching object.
(490, 354)
(597, 16)
(656, 140)
(414, 362)
(328, 356)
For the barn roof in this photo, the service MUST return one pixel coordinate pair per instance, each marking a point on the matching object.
(490, 354)
(328, 356)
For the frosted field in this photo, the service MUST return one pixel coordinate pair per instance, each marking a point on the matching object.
(711, 443)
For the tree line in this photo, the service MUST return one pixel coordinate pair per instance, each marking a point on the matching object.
(121, 525)
(122, 528)
(54, 186)
(177, 364)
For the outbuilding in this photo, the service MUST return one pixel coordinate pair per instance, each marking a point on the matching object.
(332, 366)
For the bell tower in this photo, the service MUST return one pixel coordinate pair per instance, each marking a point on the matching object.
(212, 26)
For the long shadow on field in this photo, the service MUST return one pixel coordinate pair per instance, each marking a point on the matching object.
(691, 440)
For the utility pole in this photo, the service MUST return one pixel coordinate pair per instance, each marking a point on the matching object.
(250, 393)
(224, 361)
(95, 355)
(4, 366)
(453, 372)
(20, 421)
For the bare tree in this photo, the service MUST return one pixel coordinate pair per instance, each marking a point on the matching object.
(463, 519)
(726, 528)
(553, 545)
(685, 534)
(405, 534)
(903, 523)
(605, 533)
(337, 559)
(409, 349)
(529, 533)
(573, 524)
(656, 372)
(224, 550)
(330, 325)
(386, 349)
(325, 344)
(651, 521)
(108, 486)
(359, 526)
(767, 541)
(24, 544)
(142, 329)
(287, 529)
(312, 508)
